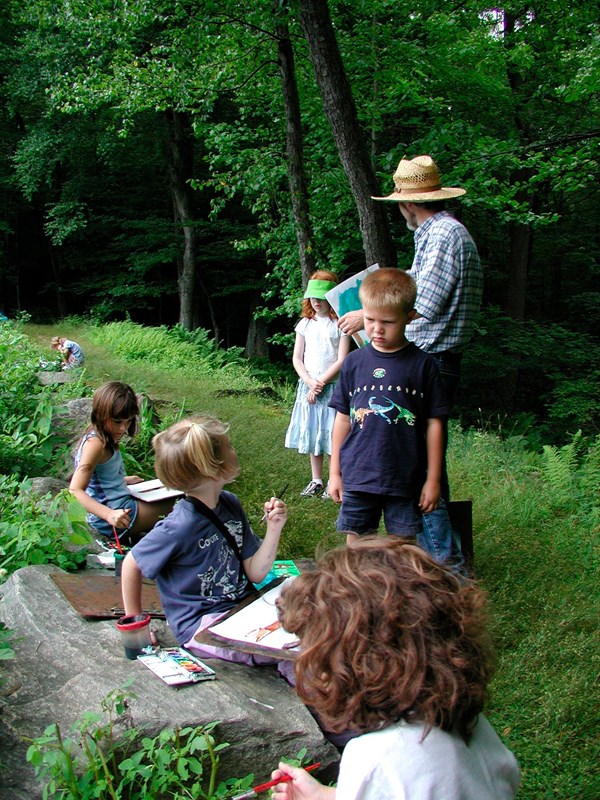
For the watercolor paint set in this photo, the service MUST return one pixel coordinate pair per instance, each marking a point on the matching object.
(176, 666)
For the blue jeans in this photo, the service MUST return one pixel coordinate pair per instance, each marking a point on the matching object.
(449, 366)
(439, 539)
(361, 513)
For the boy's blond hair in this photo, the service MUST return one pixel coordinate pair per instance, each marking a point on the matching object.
(390, 289)
(190, 451)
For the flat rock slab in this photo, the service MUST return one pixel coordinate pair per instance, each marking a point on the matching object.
(66, 665)
(50, 378)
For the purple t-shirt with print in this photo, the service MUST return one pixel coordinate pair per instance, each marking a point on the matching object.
(196, 571)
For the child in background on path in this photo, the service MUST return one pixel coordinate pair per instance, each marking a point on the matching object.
(204, 556)
(71, 352)
(99, 481)
(319, 351)
(388, 434)
(395, 647)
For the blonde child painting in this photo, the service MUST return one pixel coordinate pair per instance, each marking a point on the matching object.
(319, 352)
(71, 352)
(204, 555)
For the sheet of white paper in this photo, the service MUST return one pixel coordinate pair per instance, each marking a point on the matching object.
(152, 490)
(344, 297)
(257, 623)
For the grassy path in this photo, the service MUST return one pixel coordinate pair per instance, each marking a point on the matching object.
(534, 553)
(257, 431)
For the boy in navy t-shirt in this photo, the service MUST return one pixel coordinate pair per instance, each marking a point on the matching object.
(388, 434)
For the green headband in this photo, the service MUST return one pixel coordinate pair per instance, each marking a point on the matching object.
(317, 289)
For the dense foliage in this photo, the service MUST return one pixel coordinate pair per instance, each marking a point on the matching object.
(144, 167)
(33, 530)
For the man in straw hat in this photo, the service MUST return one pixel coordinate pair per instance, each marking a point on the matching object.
(446, 268)
(449, 280)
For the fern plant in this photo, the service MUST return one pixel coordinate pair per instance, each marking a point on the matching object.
(560, 465)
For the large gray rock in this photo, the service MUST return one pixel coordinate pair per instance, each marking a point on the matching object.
(66, 665)
(49, 378)
(40, 487)
(68, 423)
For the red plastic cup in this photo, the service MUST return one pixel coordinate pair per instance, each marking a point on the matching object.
(135, 632)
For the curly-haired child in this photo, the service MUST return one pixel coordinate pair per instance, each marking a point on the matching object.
(395, 647)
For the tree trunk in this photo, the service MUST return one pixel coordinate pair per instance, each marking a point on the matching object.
(181, 148)
(56, 264)
(520, 233)
(256, 340)
(520, 249)
(295, 154)
(352, 147)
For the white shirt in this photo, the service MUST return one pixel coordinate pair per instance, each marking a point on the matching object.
(321, 343)
(396, 764)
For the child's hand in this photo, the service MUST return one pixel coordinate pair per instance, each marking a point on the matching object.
(334, 486)
(302, 786)
(275, 513)
(430, 496)
(311, 397)
(119, 518)
(131, 479)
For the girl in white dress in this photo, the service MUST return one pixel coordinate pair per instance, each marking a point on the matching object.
(319, 351)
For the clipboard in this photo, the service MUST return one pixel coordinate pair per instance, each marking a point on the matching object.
(95, 595)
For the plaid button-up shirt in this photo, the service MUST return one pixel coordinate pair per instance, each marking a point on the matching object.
(449, 279)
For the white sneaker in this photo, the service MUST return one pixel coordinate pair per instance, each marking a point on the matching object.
(313, 489)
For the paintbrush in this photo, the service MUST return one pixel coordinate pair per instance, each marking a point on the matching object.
(279, 497)
(263, 787)
(119, 548)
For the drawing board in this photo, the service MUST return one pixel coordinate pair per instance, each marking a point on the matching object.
(253, 627)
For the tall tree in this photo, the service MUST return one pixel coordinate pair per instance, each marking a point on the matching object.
(295, 153)
(340, 108)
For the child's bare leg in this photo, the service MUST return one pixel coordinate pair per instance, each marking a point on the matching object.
(149, 514)
(351, 537)
(316, 466)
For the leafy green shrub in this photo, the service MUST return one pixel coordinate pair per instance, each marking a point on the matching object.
(208, 348)
(175, 348)
(40, 530)
(92, 763)
(545, 369)
(25, 407)
(138, 455)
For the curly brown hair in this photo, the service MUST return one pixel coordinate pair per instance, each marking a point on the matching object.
(320, 275)
(388, 634)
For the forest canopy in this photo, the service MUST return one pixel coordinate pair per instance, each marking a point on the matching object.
(189, 162)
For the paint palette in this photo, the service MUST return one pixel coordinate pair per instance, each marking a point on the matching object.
(176, 666)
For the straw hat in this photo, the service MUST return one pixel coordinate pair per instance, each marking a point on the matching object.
(417, 180)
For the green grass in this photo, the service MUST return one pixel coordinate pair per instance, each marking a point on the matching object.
(535, 553)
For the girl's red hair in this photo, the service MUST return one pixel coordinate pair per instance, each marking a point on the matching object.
(320, 275)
